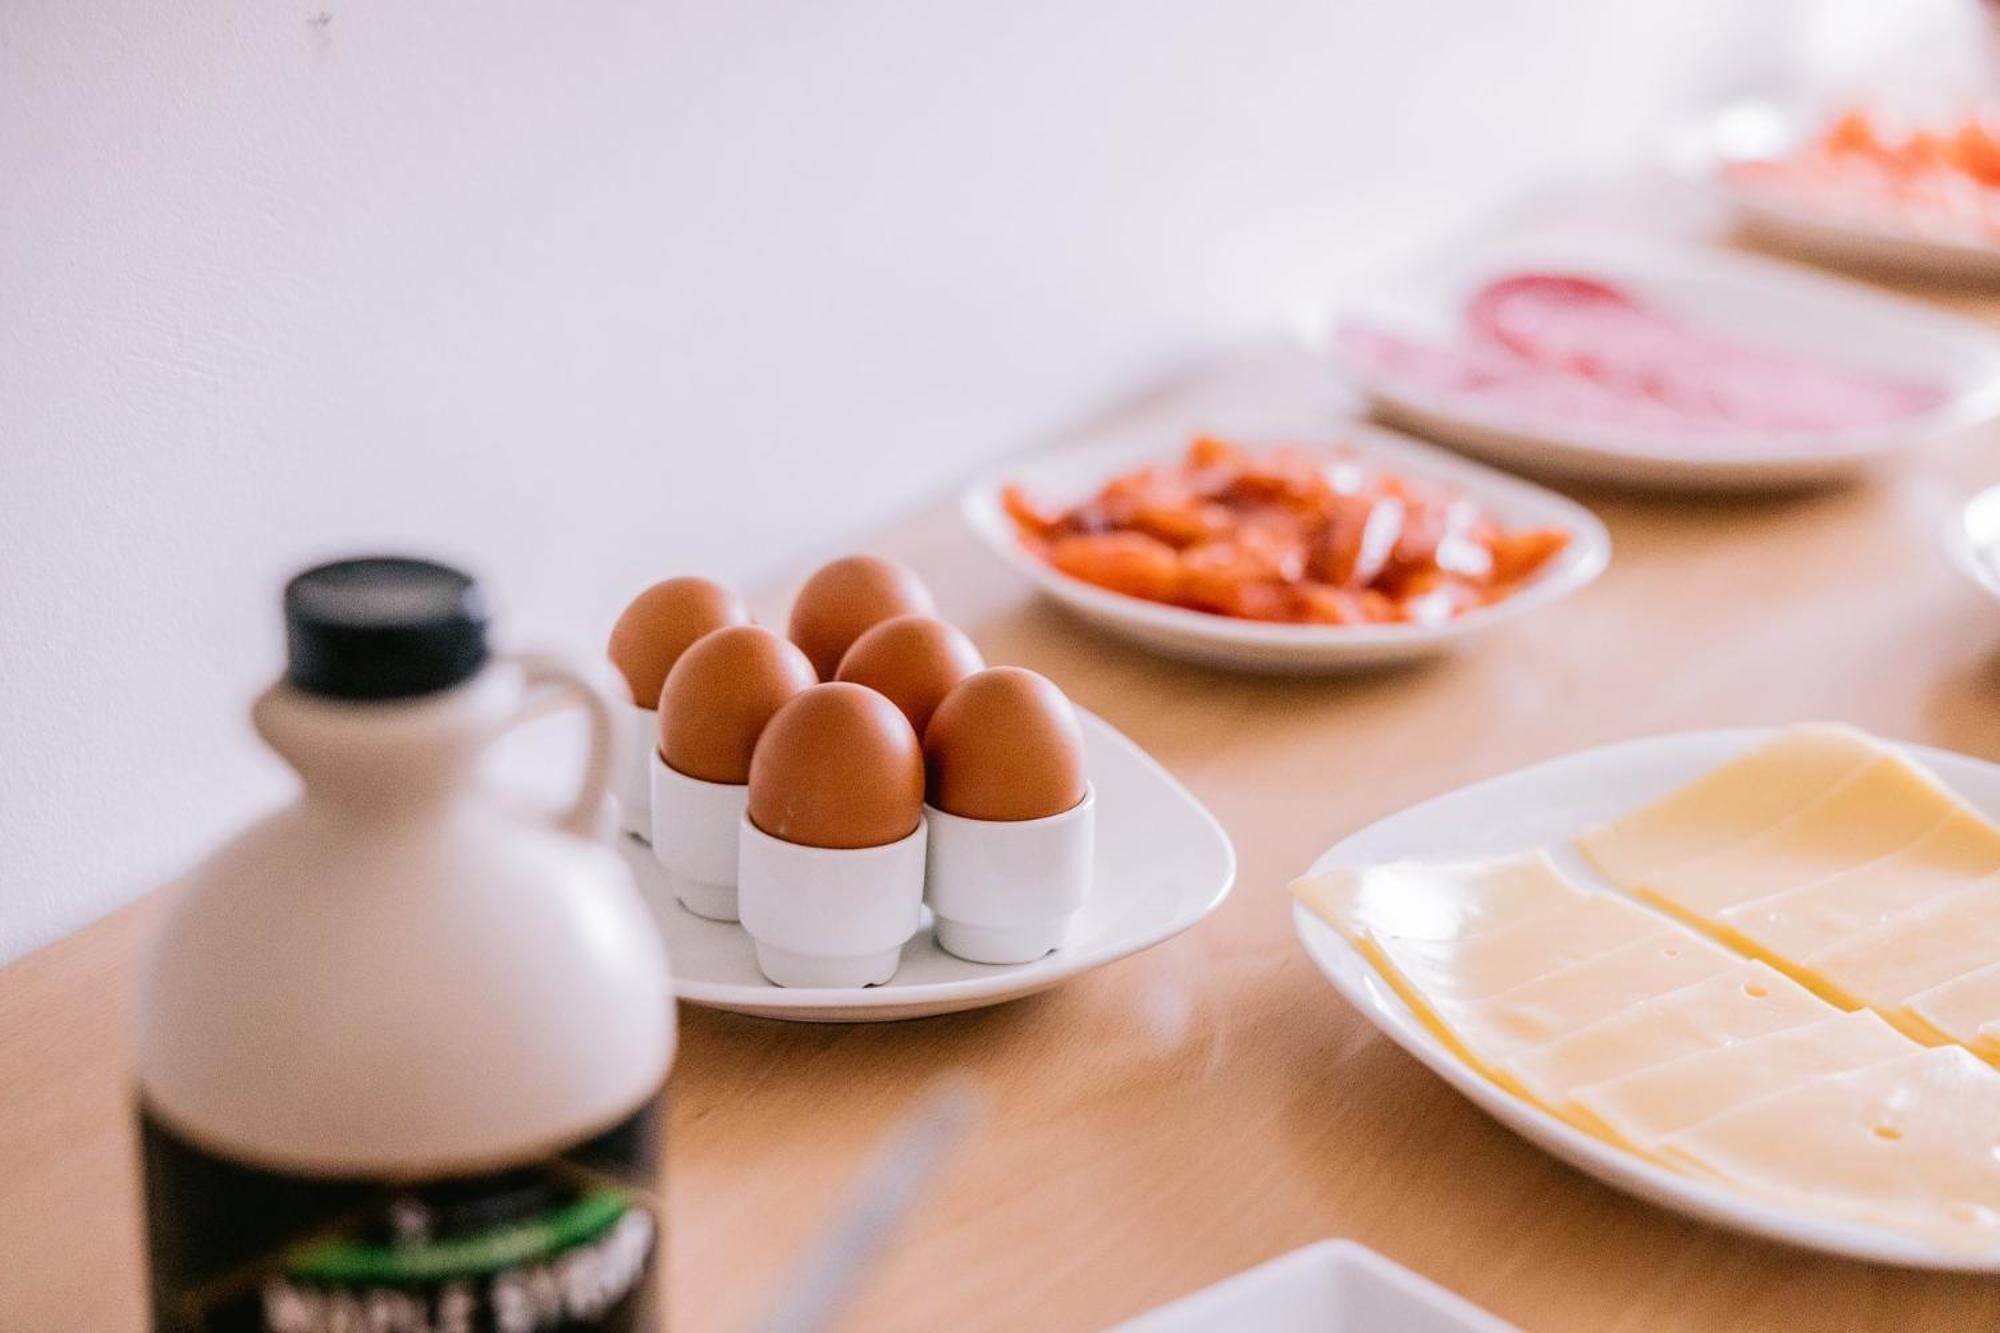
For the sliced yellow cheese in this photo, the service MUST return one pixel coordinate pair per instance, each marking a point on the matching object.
(1913, 1141)
(1645, 1107)
(1733, 803)
(1556, 1003)
(1880, 811)
(1491, 961)
(1487, 1031)
(1916, 951)
(1438, 901)
(1739, 1001)
(1959, 850)
(1965, 1009)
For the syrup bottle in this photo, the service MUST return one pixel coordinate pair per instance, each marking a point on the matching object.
(400, 1049)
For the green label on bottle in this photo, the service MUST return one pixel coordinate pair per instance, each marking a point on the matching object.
(564, 1244)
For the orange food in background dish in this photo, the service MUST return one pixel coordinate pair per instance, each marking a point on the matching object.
(1947, 173)
(1286, 535)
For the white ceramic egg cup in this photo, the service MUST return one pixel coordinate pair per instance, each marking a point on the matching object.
(1007, 891)
(829, 916)
(694, 837)
(635, 778)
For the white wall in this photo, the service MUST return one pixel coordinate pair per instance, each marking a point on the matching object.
(587, 293)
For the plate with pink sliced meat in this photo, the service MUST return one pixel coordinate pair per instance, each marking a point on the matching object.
(1640, 362)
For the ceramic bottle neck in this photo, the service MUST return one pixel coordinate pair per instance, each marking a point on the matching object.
(394, 758)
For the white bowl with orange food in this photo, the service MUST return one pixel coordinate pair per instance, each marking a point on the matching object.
(1855, 184)
(1360, 549)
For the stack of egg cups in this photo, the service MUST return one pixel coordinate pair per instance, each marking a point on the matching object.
(805, 814)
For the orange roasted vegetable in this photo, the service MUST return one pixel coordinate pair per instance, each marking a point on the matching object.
(1285, 535)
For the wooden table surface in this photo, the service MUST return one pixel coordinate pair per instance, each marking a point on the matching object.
(1173, 1118)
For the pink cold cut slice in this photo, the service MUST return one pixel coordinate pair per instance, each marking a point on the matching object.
(1566, 349)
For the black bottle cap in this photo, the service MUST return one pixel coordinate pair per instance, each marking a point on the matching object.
(383, 627)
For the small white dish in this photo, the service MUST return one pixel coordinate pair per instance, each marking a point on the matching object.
(1738, 297)
(1857, 232)
(1332, 1286)
(1972, 539)
(1066, 476)
(1161, 864)
(1544, 806)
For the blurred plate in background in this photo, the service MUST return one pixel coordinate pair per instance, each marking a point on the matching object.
(1759, 303)
(1843, 231)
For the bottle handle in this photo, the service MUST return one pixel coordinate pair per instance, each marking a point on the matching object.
(550, 684)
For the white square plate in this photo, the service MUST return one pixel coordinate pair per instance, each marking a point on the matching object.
(1334, 1286)
(1162, 864)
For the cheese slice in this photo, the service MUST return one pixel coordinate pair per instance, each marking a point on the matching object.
(1965, 1009)
(1959, 850)
(1913, 1141)
(1560, 1002)
(1883, 809)
(1740, 1000)
(1487, 1032)
(1921, 949)
(1643, 1108)
(1729, 805)
(1442, 901)
(1491, 961)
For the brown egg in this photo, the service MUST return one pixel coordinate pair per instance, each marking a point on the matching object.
(720, 695)
(838, 767)
(1004, 744)
(660, 625)
(914, 660)
(847, 598)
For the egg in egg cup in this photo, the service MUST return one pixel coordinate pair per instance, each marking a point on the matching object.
(1012, 817)
(830, 852)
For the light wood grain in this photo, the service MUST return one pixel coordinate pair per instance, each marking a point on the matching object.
(1181, 1115)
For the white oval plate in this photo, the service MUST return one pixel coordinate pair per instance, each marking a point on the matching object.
(1972, 539)
(1065, 476)
(1752, 300)
(1163, 864)
(1754, 129)
(1544, 806)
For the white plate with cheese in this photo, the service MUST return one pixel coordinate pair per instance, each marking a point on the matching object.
(1546, 806)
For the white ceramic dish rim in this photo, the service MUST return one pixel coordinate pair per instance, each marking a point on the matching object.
(1364, 987)
(1245, 1296)
(1697, 152)
(1007, 980)
(1513, 499)
(1752, 455)
(1972, 539)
